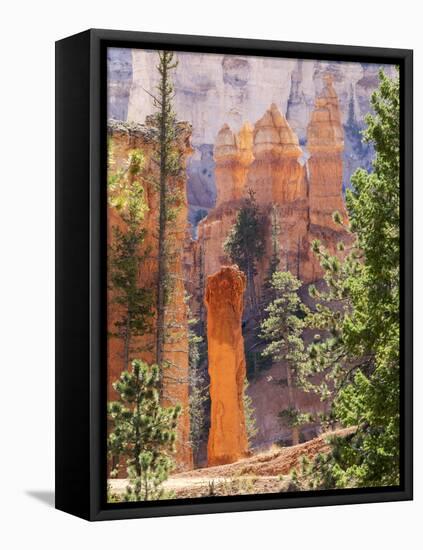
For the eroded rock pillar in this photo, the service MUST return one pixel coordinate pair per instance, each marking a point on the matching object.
(224, 300)
(325, 142)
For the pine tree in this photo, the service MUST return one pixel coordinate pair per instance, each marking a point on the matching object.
(167, 158)
(357, 316)
(268, 291)
(250, 414)
(282, 331)
(198, 389)
(125, 258)
(245, 245)
(143, 433)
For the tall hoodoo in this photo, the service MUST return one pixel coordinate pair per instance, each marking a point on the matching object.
(325, 137)
(224, 298)
(276, 175)
(233, 156)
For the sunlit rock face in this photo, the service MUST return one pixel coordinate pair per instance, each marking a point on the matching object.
(214, 89)
(276, 175)
(325, 142)
(233, 156)
(224, 299)
(300, 194)
(123, 139)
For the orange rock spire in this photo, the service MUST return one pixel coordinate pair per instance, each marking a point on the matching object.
(325, 142)
(233, 156)
(276, 176)
(224, 300)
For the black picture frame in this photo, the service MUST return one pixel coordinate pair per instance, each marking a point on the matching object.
(81, 125)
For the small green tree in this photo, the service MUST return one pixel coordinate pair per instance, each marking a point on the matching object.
(126, 256)
(197, 389)
(245, 245)
(269, 293)
(282, 331)
(142, 432)
(250, 414)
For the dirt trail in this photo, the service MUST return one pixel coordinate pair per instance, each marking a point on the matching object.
(274, 462)
(266, 472)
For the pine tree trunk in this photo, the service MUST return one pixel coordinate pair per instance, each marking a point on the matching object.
(127, 341)
(295, 435)
(161, 272)
(252, 289)
(295, 431)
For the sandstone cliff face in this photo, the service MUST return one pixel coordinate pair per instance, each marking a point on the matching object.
(213, 89)
(224, 299)
(124, 138)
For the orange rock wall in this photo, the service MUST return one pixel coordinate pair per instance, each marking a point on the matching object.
(175, 381)
(224, 299)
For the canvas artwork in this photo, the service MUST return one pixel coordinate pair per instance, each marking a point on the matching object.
(252, 275)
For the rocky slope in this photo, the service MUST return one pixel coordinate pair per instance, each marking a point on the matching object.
(266, 472)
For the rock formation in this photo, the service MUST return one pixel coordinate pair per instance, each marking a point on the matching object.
(325, 142)
(233, 156)
(213, 89)
(125, 138)
(276, 176)
(224, 299)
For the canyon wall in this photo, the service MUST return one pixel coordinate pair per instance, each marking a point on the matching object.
(125, 138)
(213, 89)
(224, 299)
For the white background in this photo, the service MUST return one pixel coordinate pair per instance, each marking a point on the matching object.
(28, 32)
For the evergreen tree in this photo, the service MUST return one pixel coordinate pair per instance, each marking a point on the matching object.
(249, 412)
(198, 389)
(125, 258)
(269, 292)
(357, 316)
(143, 433)
(167, 158)
(282, 331)
(245, 245)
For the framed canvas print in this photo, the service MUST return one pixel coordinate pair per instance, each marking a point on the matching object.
(234, 274)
